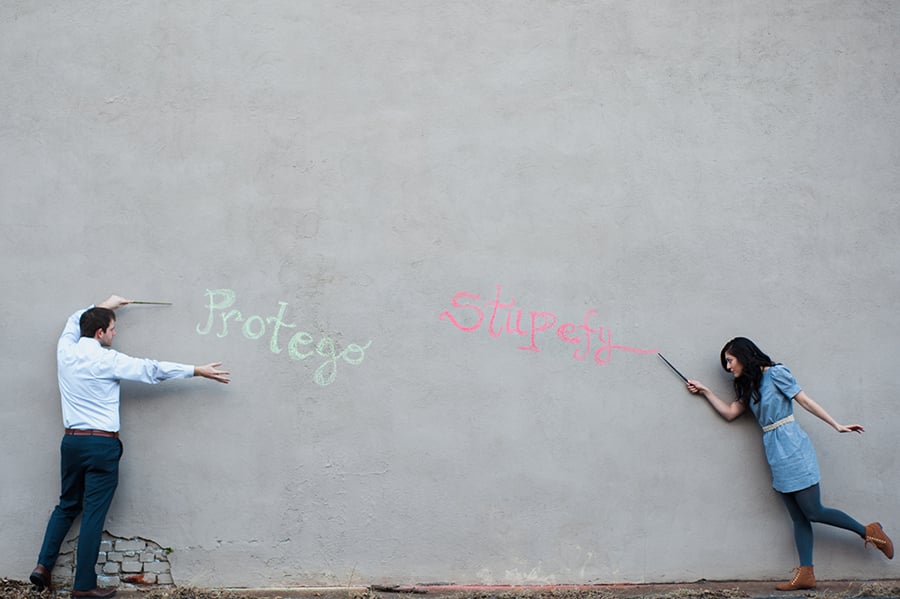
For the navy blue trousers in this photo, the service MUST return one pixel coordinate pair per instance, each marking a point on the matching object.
(89, 470)
(805, 508)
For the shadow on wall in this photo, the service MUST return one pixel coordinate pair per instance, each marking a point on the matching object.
(122, 563)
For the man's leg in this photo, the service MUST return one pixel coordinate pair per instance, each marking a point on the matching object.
(72, 470)
(100, 481)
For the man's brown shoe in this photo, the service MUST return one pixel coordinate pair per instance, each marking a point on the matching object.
(875, 535)
(96, 593)
(40, 577)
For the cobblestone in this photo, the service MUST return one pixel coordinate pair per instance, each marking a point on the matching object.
(107, 581)
(132, 567)
(130, 544)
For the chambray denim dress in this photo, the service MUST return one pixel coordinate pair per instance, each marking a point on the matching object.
(788, 449)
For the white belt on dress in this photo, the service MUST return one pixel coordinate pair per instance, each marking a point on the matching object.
(771, 427)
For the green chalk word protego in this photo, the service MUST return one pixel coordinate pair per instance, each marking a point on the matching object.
(300, 346)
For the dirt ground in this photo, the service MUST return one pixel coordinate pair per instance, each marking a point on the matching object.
(15, 589)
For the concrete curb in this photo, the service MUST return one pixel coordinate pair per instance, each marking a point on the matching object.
(829, 589)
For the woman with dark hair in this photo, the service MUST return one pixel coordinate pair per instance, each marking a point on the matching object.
(768, 389)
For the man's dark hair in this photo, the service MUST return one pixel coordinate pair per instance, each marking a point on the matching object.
(96, 319)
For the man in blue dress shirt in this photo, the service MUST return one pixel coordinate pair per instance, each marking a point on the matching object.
(89, 373)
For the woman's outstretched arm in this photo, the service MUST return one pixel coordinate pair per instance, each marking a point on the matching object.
(728, 411)
(818, 411)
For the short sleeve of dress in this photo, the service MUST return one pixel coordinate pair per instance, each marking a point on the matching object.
(784, 381)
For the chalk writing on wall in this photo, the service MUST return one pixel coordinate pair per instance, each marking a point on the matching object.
(300, 346)
(591, 341)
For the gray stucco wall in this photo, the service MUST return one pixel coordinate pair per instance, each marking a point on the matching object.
(669, 174)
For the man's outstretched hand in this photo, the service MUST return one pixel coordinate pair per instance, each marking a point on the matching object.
(211, 371)
(113, 302)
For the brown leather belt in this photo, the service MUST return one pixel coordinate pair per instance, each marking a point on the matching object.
(90, 432)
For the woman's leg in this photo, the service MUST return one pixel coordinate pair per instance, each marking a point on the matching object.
(803, 533)
(810, 502)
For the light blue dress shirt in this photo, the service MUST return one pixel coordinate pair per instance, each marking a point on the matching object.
(89, 376)
(789, 451)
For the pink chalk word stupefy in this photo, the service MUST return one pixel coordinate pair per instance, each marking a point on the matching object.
(592, 342)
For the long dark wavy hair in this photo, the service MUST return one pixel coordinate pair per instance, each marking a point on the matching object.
(753, 360)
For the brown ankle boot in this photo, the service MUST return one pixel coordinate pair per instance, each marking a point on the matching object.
(803, 579)
(875, 535)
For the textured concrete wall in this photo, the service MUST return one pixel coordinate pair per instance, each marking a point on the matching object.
(435, 242)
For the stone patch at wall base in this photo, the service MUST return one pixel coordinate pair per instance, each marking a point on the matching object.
(122, 563)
